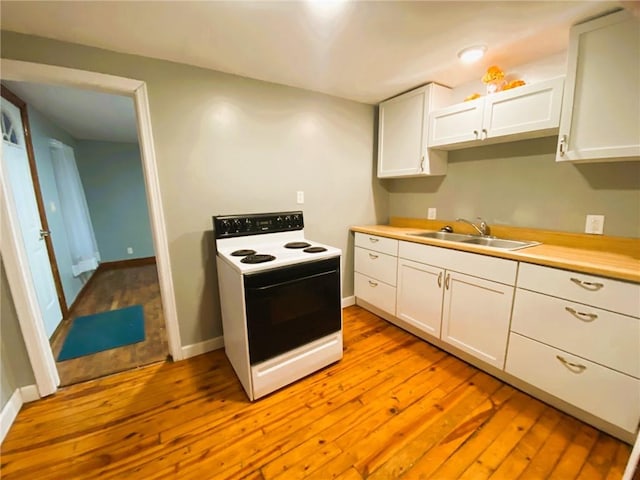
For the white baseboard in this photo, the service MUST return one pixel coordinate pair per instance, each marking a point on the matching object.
(189, 351)
(29, 393)
(9, 413)
(348, 301)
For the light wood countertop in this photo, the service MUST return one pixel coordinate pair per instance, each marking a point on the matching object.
(613, 257)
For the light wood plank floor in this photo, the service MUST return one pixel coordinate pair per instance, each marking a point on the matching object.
(110, 290)
(393, 407)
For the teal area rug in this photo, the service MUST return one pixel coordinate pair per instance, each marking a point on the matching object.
(103, 331)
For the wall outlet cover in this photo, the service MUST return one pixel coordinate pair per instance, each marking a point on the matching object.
(431, 213)
(594, 224)
(300, 197)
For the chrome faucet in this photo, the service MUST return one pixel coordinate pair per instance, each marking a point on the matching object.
(482, 229)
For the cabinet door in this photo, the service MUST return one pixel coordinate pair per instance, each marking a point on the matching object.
(527, 111)
(402, 134)
(456, 124)
(600, 114)
(475, 316)
(419, 296)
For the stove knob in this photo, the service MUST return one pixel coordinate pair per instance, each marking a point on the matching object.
(279, 222)
(237, 226)
(225, 227)
(297, 220)
(287, 221)
(248, 225)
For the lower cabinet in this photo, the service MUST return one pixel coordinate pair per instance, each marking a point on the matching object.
(420, 296)
(475, 316)
(605, 393)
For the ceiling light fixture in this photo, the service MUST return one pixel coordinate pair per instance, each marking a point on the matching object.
(472, 54)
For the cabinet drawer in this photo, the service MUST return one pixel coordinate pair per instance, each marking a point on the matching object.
(379, 266)
(615, 295)
(377, 293)
(481, 266)
(603, 337)
(379, 244)
(609, 395)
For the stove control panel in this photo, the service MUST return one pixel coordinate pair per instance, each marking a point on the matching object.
(227, 226)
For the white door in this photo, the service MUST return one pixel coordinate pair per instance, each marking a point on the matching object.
(15, 164)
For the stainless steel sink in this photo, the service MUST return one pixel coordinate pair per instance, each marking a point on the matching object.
(452, 237)
(499, 243)
(492, 242)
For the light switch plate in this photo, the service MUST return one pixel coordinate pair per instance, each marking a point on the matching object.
(300, 198)
(594, 224)
(431, 213)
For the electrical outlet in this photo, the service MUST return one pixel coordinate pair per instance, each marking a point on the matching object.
(300, 198)
(129, 250)
(594, 224)
(431, 213)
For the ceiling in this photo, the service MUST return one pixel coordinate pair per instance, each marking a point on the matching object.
(365, 51)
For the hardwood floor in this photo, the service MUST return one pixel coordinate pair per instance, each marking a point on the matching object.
(393, 407)
(109, 290)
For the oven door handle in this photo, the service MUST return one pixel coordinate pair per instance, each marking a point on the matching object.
(294, 280)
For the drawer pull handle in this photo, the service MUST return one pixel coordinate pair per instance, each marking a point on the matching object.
(372, 256)
(373, 240)
(440, 280)
(584, 316)
(592, 286)
(573, 367)
(373, 284)
(446, 281)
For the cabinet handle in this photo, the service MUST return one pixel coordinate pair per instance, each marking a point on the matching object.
(475, 132)
(372, 256)
(446, 281)
(373, 284)
(572, 367)
(486, 134)
(585, 317)
(563, 145)
(422, 164)
(373, 240)
(440, 280)
(591, 286)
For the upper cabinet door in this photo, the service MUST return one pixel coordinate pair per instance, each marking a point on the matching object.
(527, 111)
(456, 124)
(402, 134)
(601, 106)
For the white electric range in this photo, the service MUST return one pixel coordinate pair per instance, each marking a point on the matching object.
(280, 296)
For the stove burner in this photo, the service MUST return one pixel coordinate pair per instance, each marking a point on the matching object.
(242, 253)
(257, 258)
(297, 245)
(315, 249)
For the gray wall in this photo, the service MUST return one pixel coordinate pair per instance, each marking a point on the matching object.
(42, 130)
(520, 184)
(227, 144)
(15, 368)
(113, 182)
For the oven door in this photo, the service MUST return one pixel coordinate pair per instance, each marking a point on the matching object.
(292, 306)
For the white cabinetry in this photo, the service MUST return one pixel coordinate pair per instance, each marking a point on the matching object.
(577, 337)
(402, 134)
(600, 111)
(420, 295)
(524, 112)
(375, 271)
(458, 298)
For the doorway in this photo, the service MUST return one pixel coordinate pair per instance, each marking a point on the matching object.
(29, 316)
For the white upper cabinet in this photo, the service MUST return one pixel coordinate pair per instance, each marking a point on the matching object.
(601, 107)
(529, 111)
(402, 134)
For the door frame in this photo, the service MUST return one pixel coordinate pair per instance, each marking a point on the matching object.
(13, 254)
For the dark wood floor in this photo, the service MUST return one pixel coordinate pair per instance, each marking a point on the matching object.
(109, 290)
(393, 407)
